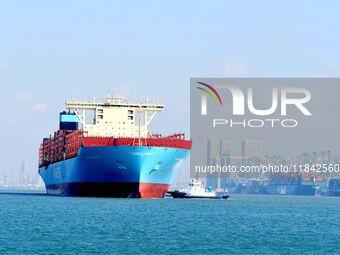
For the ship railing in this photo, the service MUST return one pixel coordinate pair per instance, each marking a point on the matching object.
(175, 136)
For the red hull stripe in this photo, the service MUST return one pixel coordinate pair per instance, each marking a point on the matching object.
(153, 190)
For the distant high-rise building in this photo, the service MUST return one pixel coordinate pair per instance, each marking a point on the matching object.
(213, 158)
(225, 147)
(218, 150)
(251, 149)
(213, 150)
(24, 173)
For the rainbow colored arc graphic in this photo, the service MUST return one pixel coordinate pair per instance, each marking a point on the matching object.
(209, 90)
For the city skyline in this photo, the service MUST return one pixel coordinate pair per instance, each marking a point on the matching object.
(23, 178)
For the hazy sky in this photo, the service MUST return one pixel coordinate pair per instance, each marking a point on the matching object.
(50, 50)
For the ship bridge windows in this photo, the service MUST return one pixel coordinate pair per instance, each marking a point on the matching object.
(130, 117)
(100, 110)
(100, 117)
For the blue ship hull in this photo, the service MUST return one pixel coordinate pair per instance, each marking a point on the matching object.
(115, 171)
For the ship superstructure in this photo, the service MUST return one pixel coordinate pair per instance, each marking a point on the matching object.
(115, 117)
(105, 149)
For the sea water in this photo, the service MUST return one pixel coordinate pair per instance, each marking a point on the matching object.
(245, 224)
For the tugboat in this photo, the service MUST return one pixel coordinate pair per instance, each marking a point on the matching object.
(197, 190)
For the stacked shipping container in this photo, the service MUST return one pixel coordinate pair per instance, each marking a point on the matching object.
(65, 144)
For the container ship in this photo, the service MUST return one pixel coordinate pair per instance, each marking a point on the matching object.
(294, 185)
(104, 149)
(275, 185)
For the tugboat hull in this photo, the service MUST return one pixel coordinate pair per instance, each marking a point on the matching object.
(179, 194)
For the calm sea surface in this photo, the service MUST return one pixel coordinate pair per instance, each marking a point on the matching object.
(246, 224)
